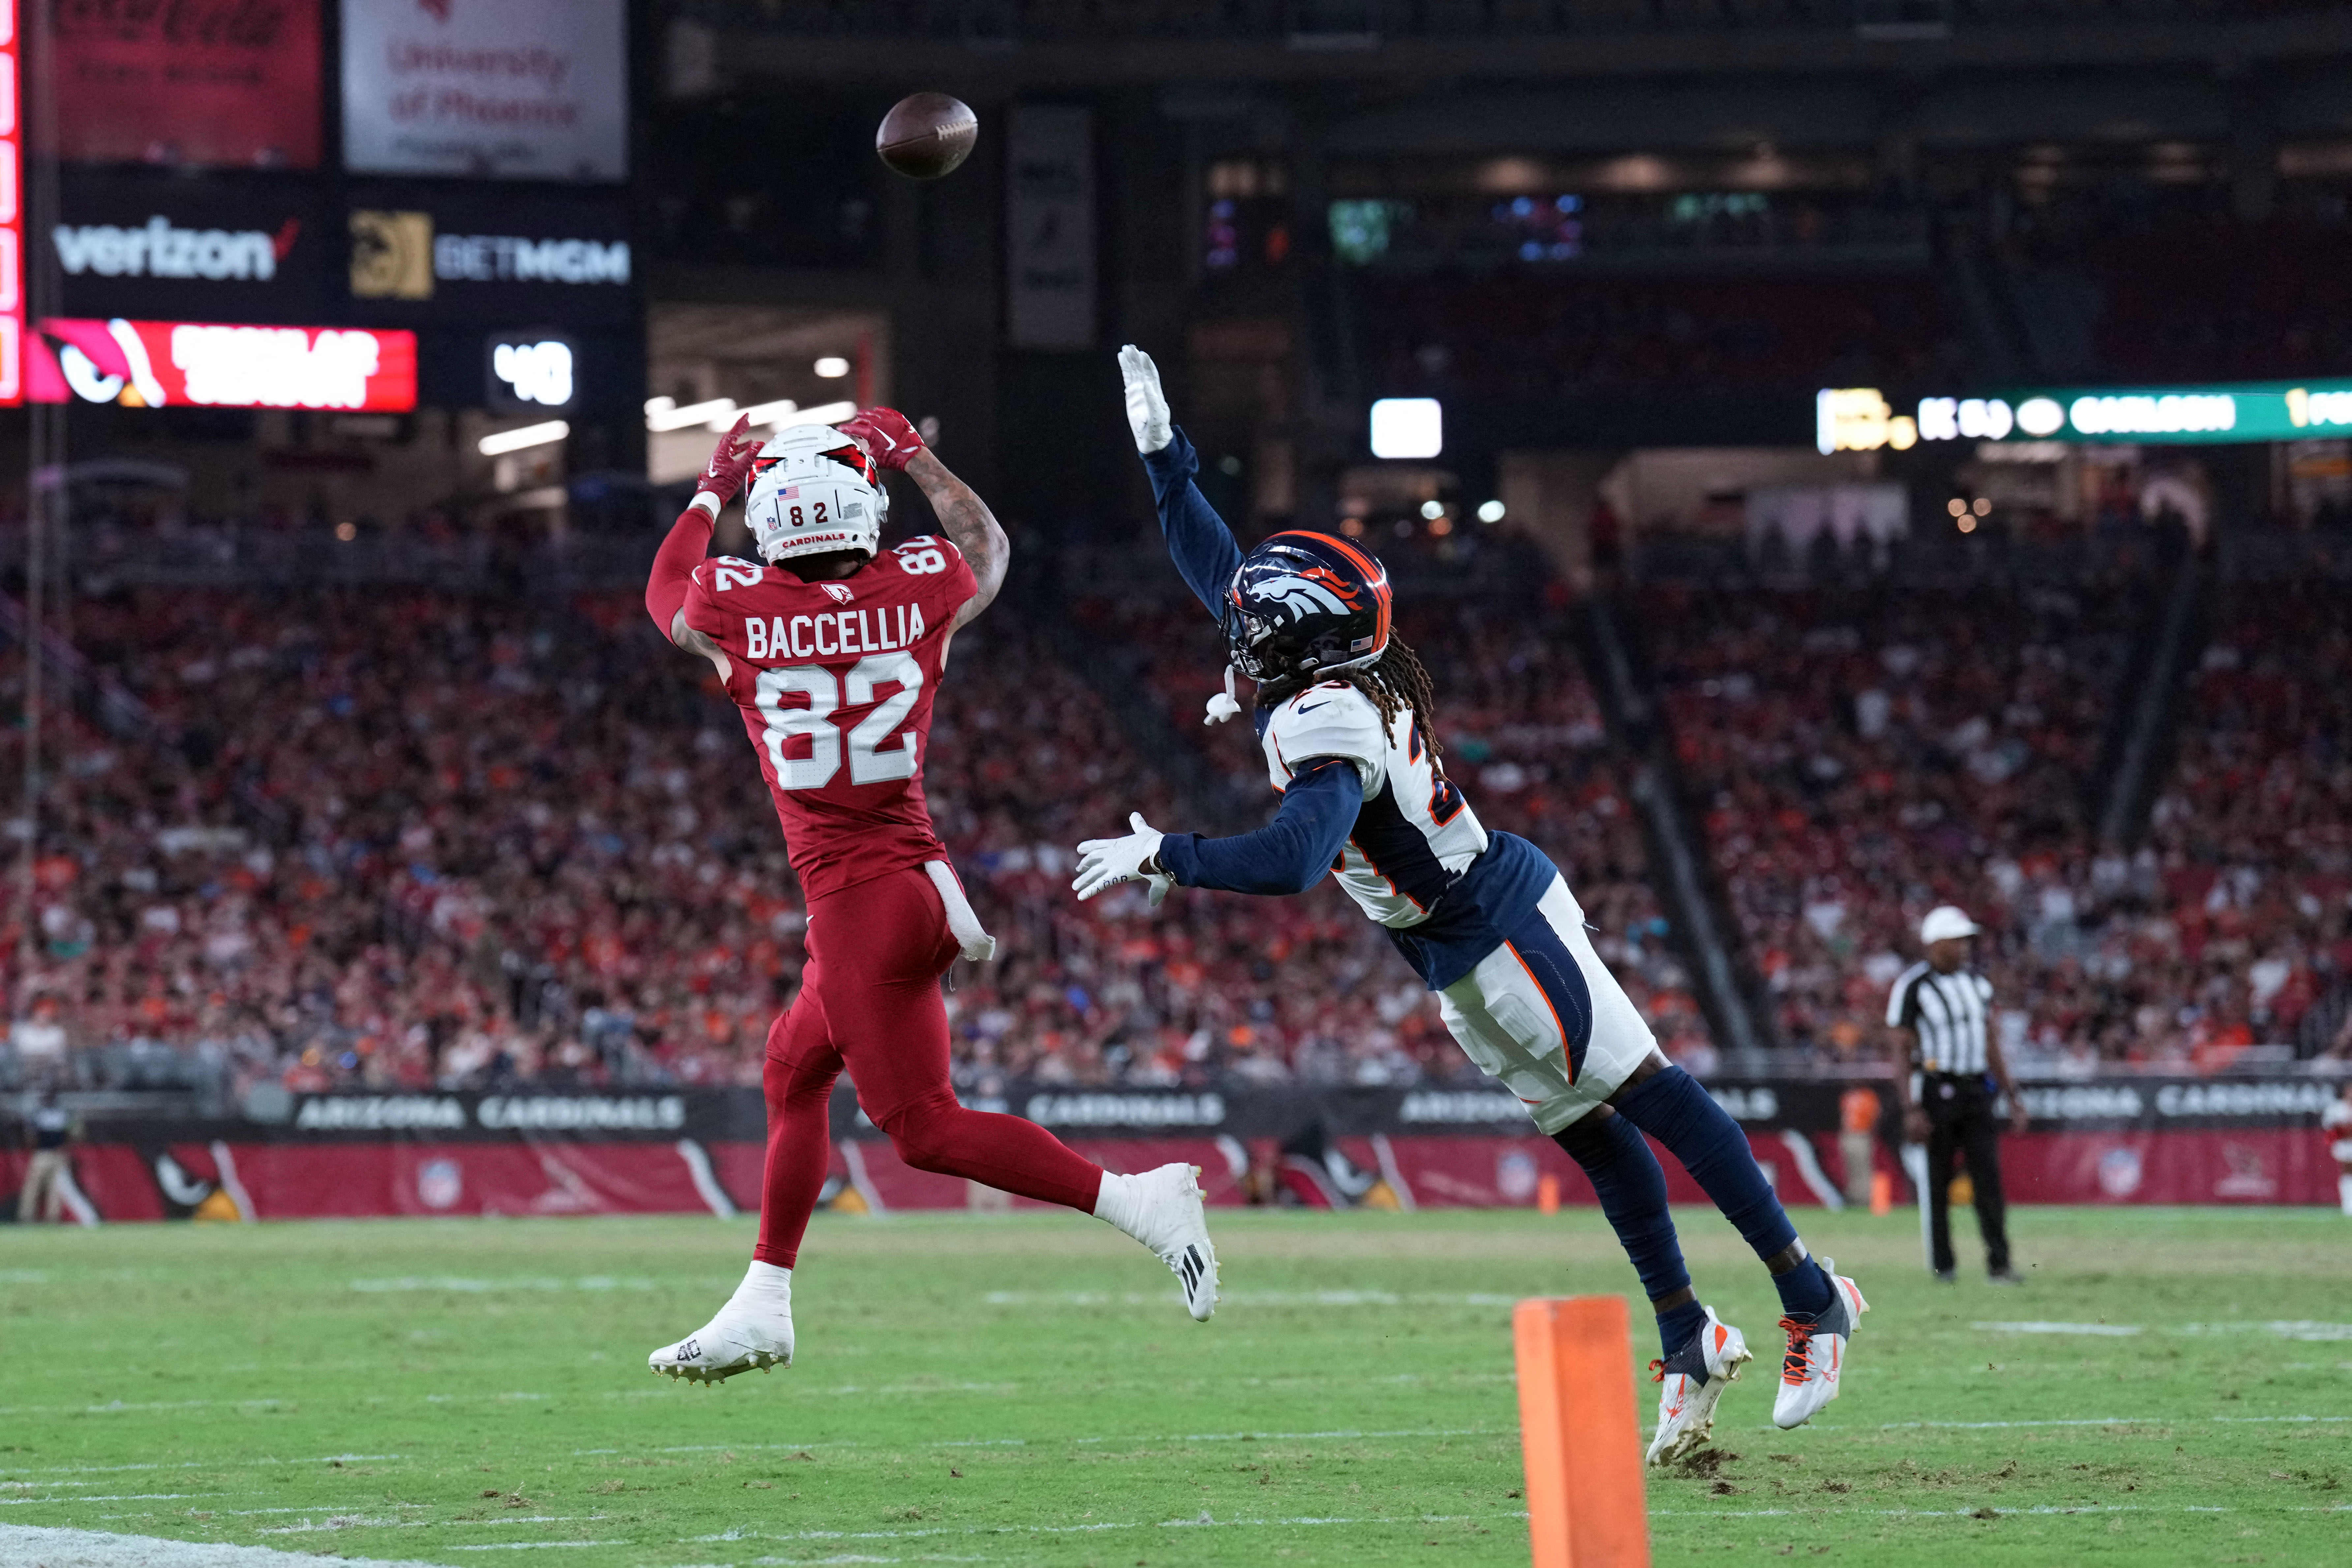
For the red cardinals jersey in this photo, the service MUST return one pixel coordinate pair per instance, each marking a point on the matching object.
(835, 681)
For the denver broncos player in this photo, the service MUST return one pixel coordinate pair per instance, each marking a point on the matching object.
(834, 649)
(1344, 716)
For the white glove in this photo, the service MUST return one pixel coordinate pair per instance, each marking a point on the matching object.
(1105, 863)
(1224, 705)
(1147, 405)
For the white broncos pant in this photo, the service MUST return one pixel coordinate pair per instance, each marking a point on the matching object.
(1542, 1014)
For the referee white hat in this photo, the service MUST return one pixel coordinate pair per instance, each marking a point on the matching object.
(1945, 922)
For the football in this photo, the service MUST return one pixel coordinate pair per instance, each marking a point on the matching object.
(926, 135)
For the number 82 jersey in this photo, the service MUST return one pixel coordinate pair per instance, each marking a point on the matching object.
(835, 681)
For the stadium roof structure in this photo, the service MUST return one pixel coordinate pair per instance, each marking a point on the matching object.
(1010, 44)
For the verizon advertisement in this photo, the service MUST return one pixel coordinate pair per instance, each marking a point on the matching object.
(197, 364)
(232, 82)
(227, 247)
(531, 90)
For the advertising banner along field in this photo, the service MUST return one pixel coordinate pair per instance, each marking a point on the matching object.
(675, 1150)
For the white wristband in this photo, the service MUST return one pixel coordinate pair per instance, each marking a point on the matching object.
(713, 509)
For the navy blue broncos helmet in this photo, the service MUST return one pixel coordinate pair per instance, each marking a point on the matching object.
(1304, 604)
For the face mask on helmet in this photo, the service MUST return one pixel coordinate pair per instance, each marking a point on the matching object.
(813, 491)
(1304, 605)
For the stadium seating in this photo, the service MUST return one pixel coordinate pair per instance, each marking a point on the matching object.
(1864, 757)
(406, 838)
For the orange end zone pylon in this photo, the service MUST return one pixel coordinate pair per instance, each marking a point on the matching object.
(1580, 1433)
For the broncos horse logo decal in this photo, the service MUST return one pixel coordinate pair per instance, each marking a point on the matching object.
(1303, 593)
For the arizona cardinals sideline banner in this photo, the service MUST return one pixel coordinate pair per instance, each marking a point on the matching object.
(2162, 1141)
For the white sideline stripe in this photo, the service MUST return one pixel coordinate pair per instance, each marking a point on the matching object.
(706, 1180)
(98, 1549)
(2117, 1331)
(1025, 1443)
(181, 1465)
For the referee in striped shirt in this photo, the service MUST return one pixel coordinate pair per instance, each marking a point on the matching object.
(1949, 1068)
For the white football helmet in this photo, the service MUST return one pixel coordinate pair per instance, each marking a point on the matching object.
(814, 491)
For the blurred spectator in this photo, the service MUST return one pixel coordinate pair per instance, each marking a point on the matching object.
(50, 1132)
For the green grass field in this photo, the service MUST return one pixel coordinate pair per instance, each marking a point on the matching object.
(1025, 1390)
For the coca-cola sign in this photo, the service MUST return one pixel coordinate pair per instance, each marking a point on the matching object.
(223, 82)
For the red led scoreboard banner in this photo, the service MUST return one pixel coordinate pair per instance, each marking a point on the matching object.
(197, 364)
(12, 212)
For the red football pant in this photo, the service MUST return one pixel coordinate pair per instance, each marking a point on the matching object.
(870, 1000)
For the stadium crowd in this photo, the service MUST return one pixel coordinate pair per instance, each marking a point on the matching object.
(406, 838)
(337, 839)
(1865, 756)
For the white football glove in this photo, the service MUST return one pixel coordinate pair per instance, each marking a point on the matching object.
(1147, 405)
(1104, 863)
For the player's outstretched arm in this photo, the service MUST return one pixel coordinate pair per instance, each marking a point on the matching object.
(1198, 539)
(963, 517)
(1288, 854)
(690, 541)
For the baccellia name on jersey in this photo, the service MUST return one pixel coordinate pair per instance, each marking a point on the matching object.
(827, 636)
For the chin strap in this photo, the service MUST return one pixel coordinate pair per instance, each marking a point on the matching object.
(1224, 705)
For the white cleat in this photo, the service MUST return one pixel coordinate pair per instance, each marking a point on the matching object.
(1816, 1355)
(1162, 1209)
(754, 1330)
(1694, 1377)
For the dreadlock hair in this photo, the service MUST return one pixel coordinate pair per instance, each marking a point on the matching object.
(1398, 679)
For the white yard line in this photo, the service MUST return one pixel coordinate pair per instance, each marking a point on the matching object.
(1029, 1443)
(592, 1283)
(106, 1497)
(1203, 1521)
(1998, 1509)
(529, 1545)
(2297, 1329)
(93, 1549)
(1248, 1297)
(2100, 1421)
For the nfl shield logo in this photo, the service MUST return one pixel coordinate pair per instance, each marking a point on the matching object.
(439, 1183)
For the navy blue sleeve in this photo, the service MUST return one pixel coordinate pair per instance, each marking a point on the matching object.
(1288, 854)
(1198, 539)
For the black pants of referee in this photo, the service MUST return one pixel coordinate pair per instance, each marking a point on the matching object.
(1961, 1118)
